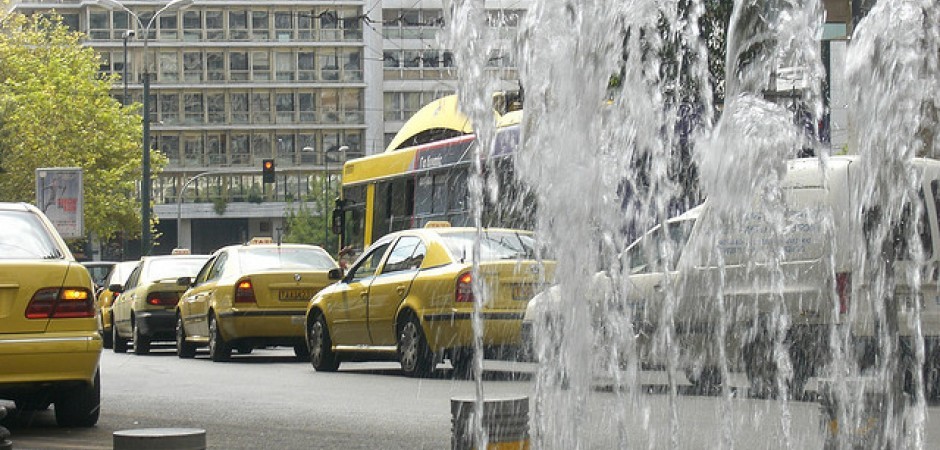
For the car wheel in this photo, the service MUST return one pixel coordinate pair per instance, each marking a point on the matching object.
(413, 351)
(107, 339)
(462, 360)
(119, 344)
(141, 342)
(322, 356)
(706, 382)
(80, 406)
(218, 350)
(184, 349)
(301, 352)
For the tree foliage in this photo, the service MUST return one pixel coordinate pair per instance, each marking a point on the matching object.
(308, 223)
(56, 111)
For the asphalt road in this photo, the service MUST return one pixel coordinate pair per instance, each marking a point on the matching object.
(269, 400)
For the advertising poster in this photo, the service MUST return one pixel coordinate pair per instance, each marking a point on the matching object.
(59, 196)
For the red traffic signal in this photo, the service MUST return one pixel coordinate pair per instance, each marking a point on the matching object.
(267, 170)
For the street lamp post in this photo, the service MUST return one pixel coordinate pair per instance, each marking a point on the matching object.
(145, 162)
(127, 34)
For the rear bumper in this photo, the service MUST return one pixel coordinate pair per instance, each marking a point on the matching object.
(271, 326)
(455, 329)
(156, 324)
(48, 359)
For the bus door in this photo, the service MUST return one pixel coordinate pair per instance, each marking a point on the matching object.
(391, 286)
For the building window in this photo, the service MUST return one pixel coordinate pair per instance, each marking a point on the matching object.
(285, 67)
(121, 23)
(307, 66)
(284, 25)
(169, 108)
(240, 153)
(352, 67)
(192, 150)
(170, 147)
(215, 149)
(215, 26)
(192, 105)
(351, 22)
(192, 66)
(169, 25)
(260, 65)
(169, 67)
(352, 106)
(260, 146)
(239, 107)
(305, 27)
(215, 107)
(260, 29)
(308, 148)
(284, 107)
(308, 107)
(238, 25)
(329, 65)
(329, 104)
(285, 148)
(391, 59)
(261, 107)
(215, 64)
(99, 25)
(192, 25)
(238, 66)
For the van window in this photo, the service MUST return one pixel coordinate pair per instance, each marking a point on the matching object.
(874, 217)
(650, 254)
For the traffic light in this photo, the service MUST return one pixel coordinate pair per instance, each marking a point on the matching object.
(267, 170)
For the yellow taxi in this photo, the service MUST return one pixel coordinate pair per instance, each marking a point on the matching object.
(49, 349)
(410, 297)
(145, 309)
(117, 276)
(250, 296)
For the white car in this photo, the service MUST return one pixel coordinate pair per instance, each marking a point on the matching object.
(728, 279)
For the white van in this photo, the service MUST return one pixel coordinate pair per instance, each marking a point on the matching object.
(744, 271)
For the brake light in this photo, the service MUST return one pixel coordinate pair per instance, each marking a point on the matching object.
(60, 303)
(163, 298)
(464, 288)
(244, 293)
(844, 290)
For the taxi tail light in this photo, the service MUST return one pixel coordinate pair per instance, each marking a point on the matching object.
(163, 298)
(61, 303)
(244, 292)
(464, 293)
(844, 290)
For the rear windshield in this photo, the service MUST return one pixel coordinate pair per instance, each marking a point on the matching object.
(25, 237)
(494, 245)
(274, 258)
(120, 273)
(173, 268)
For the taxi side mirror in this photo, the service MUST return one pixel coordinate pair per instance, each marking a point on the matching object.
(335, 274)
(116, 288)
(184, 281)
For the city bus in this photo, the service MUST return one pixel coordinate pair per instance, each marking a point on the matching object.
(423, 176)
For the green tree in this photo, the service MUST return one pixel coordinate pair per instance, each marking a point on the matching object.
(56, 111)
(308, 223)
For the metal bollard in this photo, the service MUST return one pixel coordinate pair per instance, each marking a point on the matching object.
(160, 439)
(505, 422)
(865, 417)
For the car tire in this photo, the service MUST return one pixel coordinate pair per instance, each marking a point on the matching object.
(462, 360)
(118, 343)
(301, 352)
(219, 350)
(413, 351)
(81, 406)
(107, 339)
(244, 349)
(322, 357)
(184, 348)
(141, 342)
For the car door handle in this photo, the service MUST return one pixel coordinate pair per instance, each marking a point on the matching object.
(363, 295)
(658, 288)
(400, 290)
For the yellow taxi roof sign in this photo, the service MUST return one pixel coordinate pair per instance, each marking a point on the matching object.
(181, 251)
(261, 240)
(437, 224)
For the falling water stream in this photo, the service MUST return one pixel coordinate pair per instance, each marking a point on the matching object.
(604, 164)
